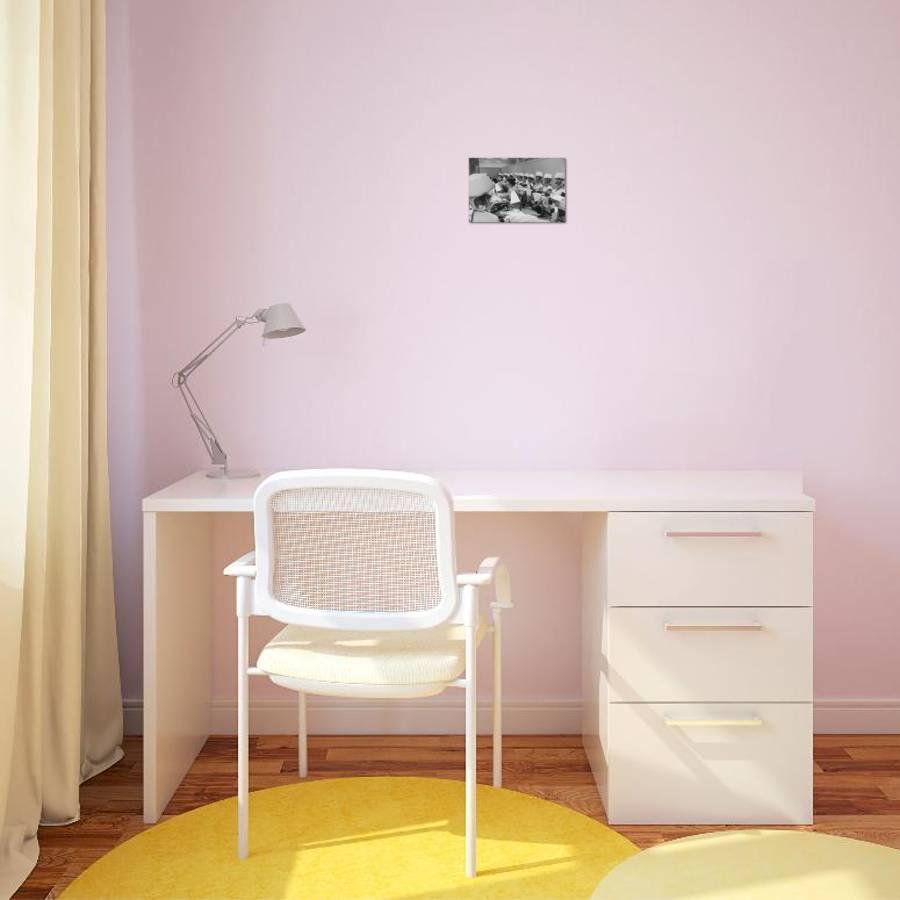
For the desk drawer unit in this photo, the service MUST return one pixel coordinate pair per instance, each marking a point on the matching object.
(710, 763)
(725, 654)
(710, 559)
(702, 663)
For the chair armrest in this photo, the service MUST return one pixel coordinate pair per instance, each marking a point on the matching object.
(245, 566)
(491, 571)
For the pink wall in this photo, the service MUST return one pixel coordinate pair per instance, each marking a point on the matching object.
(726, 293)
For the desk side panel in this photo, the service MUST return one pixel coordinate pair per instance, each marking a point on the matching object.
(593, 653)
(177, 581)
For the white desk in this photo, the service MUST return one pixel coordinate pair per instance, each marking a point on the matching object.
(178, 578)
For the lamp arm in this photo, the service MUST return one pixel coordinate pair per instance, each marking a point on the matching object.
(212, 346)
(217, 455)
(180, 380)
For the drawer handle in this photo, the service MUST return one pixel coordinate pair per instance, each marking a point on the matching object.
(735, 626)
(712, 534)
(751, 722)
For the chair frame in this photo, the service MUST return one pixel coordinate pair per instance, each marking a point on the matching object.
(460, 603)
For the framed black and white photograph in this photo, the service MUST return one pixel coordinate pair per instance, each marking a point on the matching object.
(517, 189)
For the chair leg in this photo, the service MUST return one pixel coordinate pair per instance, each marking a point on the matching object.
(471, 737)
(302, 757)
(497, 741)
(243, 738)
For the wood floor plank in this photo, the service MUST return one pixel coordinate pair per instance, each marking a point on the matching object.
(856, 787)
(890, 787)
(856, 740)
(884, 766)
(880, 754)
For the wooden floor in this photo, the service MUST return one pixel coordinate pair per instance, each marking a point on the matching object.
(857, 787)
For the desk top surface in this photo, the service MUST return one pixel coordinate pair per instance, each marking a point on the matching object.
(545, 491)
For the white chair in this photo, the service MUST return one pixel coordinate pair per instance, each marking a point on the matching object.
(360, 565)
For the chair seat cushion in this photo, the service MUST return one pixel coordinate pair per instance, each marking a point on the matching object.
(334, 656)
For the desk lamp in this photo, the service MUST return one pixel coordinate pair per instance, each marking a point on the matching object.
(279, 321)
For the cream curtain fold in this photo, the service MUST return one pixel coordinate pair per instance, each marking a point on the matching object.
(60, 700)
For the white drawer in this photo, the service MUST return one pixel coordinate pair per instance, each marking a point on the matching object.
(724, 654)
(671, 764)
(709, 559)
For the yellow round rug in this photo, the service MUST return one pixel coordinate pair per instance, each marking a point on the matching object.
(757, 865)
(363, 837)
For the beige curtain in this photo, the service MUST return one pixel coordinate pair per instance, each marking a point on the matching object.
(60, 703)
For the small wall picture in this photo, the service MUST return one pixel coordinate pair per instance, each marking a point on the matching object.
(517, 190)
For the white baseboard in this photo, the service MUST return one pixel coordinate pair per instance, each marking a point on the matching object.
(333, 716)
(857, 716)
(443, 716)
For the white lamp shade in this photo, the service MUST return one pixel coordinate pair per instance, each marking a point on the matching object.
(281, 321)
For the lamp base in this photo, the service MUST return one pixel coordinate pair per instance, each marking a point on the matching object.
(228, 473)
